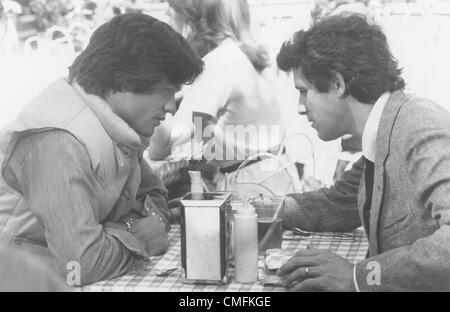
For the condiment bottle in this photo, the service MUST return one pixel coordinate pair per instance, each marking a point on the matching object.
(246, 244)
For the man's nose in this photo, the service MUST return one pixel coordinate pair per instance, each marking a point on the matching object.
(301, 108)
(170, 106)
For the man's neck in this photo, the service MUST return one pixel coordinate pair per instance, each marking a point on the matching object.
(360, 113)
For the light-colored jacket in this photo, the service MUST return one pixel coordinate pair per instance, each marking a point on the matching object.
(114, 151)
(409, 237)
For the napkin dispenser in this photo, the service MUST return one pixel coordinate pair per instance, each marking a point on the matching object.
(206, 238)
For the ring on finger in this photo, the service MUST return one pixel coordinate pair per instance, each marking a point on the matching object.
(155, 214)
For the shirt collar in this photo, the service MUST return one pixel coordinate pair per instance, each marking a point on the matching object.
(369, 137)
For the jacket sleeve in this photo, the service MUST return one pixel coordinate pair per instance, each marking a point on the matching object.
(152, 194)
(328, 209)
(424, 264)
(52, 171)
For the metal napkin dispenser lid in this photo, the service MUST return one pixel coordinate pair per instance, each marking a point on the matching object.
(205, 238)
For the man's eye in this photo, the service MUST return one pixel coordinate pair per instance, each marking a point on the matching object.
(303, 91)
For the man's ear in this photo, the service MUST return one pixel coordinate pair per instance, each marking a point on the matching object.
(339, 84)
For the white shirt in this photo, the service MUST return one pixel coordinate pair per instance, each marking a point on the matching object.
(369, 141)
(369, 136)
(235, 94)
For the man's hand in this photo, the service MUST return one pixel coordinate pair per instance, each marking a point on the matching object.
(152, 210)
(317, 270)
(151, 233)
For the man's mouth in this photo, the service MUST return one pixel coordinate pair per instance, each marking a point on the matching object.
(157, 122)
(160, 120)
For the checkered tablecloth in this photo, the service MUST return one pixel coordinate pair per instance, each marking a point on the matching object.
(155, 279)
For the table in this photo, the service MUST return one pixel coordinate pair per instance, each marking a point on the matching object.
(148, 280)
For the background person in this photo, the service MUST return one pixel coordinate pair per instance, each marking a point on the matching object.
(8, 20)
(234, 89)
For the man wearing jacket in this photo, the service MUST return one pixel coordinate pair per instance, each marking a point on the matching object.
(74, 189)
(399, 190)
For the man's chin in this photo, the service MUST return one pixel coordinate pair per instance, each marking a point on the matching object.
(146, 133)
(327, 136)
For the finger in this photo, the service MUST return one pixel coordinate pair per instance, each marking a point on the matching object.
(294, 263)
(168, 227)
(161, 215)
(155, 218)
(300, 275)
(157, 223)
(311, 284)
(174, 203)
(162, 218)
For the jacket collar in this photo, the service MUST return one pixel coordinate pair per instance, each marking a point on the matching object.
(388, 118)
(387, 121)
(115, 126)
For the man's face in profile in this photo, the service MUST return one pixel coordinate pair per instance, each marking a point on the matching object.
(144, 112)
(326, 111)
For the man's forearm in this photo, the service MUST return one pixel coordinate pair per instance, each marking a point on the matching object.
(328, 209)
(53, 172)
(116, 253)
(151, 185)
(315, 212)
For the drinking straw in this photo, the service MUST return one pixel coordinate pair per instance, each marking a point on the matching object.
(277, 212)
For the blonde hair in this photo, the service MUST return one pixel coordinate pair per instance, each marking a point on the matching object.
(212, 21)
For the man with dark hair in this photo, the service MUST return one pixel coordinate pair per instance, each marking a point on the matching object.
(74, 189)
(399, 190)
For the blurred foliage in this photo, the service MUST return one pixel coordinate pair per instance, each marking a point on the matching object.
(62, 12)
(51, 12)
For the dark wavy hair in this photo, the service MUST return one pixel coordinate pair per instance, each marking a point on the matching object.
(212, 21)
(346, 44)
(132, 53)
